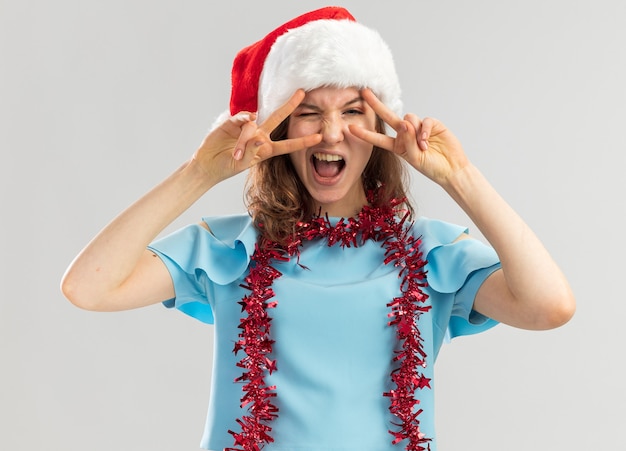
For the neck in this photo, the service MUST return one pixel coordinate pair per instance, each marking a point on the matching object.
(346, 207)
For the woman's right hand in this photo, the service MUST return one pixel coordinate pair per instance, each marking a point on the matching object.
(115, 271)
(239, 142)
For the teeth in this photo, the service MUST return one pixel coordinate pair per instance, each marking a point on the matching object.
(327, 157)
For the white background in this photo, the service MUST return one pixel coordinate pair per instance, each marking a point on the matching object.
(100, 100)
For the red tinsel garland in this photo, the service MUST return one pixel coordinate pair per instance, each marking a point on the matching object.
(401, 250)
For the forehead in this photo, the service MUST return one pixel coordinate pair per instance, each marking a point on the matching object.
(329, 96)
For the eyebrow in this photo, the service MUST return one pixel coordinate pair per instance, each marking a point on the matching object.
(316, 108)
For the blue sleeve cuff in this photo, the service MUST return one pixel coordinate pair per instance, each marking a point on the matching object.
(456, 269)
(197, 258)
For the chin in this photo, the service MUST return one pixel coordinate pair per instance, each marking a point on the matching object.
(337, 205)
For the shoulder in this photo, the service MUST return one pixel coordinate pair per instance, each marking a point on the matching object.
(231, 228)
(434, 232)
(222, 252)
(451, 258)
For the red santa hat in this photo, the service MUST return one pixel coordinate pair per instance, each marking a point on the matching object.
(325, 47)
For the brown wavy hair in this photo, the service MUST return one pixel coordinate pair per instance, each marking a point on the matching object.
(277, 200)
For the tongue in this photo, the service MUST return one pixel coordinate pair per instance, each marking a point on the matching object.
(328, 168)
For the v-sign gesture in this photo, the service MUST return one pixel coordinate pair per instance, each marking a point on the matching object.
(239, 143)
(426, 144)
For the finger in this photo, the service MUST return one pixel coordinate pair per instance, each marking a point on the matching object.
(232, 124)
(243, 117)
(425, 132)
(282, 113)
(416, 123)
(377, 139)
(406, 143)
(248, 132)
(381, 109)
(291, 145)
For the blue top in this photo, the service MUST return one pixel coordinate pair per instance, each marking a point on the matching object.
(333, 345)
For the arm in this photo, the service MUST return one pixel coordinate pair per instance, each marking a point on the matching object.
(530, 291)
(115, 271)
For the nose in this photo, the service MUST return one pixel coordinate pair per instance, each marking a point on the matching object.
(332, 129)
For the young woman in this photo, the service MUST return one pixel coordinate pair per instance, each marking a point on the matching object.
(330, 301)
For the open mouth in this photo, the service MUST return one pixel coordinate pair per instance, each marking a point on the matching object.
(327, 165)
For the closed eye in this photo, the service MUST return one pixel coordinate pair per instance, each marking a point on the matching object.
(306, 113)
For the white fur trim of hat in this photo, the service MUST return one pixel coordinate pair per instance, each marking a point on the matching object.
(338, 53)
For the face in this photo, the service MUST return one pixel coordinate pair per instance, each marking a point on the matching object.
(331, 171)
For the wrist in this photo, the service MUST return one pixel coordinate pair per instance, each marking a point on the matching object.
(469, 188)
(463, 181)
(197, 175)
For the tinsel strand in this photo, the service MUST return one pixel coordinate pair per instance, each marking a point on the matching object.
(402, 250)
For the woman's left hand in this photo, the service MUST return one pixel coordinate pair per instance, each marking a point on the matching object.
(426, 144)
(530, 291)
